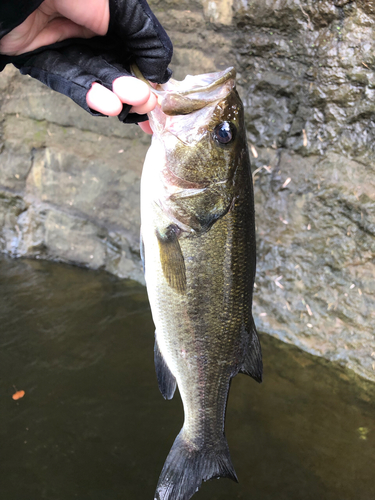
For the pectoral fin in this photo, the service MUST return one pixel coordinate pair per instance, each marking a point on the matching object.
(172, 260)
(166, 381)
(253, 364)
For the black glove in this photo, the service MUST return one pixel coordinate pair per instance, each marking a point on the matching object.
(70, 67)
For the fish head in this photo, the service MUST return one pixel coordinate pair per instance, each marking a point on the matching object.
(199, 127)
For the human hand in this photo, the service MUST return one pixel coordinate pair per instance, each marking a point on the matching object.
(56, 22)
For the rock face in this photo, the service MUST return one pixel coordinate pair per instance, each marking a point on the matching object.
(69, 183)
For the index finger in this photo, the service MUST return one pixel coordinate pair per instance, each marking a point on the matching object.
(131, 90)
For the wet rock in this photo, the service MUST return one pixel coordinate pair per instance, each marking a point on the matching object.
(64, 188)
(315, 255)
(368, 6)
(69, 183)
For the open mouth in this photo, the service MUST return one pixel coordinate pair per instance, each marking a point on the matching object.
(193, 93)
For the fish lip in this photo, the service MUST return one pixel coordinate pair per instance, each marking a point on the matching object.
(188, 96)
(161, 88)
(227, 74)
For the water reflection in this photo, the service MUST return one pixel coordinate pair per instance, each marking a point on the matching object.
(92, 424)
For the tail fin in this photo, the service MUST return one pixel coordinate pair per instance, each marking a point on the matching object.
(186, 468)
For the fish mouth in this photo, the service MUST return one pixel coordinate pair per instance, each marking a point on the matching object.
(194, 92)
(201, 83)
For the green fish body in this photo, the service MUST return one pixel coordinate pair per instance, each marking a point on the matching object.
(198, 248)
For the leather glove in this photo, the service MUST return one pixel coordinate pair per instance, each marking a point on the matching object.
(73, 65)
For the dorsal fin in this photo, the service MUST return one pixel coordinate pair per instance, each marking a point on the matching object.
(253, 364)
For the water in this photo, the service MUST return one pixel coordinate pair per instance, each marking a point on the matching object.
(92, 424)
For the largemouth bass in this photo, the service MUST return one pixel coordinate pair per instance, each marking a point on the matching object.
(198, 248)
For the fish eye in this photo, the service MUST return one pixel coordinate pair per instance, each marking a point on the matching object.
(224, 132)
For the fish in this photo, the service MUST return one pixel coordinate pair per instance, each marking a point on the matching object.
(199, 256)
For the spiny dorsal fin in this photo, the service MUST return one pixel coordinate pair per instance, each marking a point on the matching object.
(166, 381)
(172, 260)
(253, 364)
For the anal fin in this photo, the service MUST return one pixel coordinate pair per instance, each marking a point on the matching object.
(253, 364)
(166, 381)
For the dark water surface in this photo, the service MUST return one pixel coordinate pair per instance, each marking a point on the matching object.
(92, 424)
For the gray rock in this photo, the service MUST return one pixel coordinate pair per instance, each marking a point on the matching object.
(69, 183)
(316, 244)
